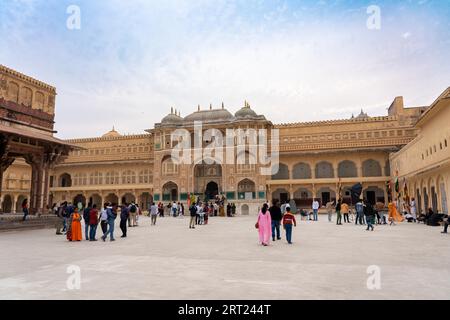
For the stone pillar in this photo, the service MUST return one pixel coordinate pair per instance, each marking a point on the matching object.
(14, 203)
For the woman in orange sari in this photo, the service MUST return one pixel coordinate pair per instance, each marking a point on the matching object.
(394, 216)
(76, 226)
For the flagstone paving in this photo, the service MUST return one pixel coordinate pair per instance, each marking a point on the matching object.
(223, 260)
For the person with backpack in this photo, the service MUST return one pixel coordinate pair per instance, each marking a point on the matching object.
(369, 212)
(112, 215)
(193, 212)
(86, 212)
(132, 211)
(60, 221)
(124, 214)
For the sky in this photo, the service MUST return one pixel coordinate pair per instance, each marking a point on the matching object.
(294, 61)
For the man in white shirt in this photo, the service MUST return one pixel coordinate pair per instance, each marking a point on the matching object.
(153, 213)
(315, 207)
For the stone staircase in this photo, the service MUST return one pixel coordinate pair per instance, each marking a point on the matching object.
(9, 222)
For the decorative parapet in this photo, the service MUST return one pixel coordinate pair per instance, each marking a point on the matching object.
(338, 121)
(21, 76)
(99, 139)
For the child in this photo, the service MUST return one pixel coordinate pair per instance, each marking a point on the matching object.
(288, 220)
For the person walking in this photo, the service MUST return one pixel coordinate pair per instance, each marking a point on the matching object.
(174, 209)
(446, 223)
(345, 211)
(288, 221)
(315, 207)
(369, 212)
(329, 208)
(25, 209)
(359, 212)
(264, 225)
(112, 215)
(153, 213)
(104, 219)
(276, 216)
(413, 209)
(86, 215)
(93, 223)
(124, 214)
(132, 211)
(60, 220)
(193, 212)
(338, 213)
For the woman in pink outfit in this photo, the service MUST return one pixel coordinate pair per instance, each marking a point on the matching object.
(264, 225)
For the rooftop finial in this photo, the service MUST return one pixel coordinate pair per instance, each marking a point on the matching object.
(210, 106)
(198, 108)
(113, 128)
(223, 106)
(171, 110)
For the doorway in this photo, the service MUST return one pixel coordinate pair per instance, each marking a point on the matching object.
(212, 190)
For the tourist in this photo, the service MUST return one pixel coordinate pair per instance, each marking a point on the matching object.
(276, 216)
(345, 211)
(206, 211)
(409, 217)
(233, 209)
(93, 222)
(370, 215)
(329, 208)
(288, 221)
(104, 219)
(60, 220)
(86, 215)
(201, 214)
(264, 225)
(25, 209)
(315, 207)
(132, 212)
(380, 207)
(197, 218)
(153, 213)
(74, 231)
(338, 213)
(228, 209)
(394, 216)
(413, 209)
(161, 209)
(174, 209)
(193, 212)
(112, 215)
(446, 223)
(124, 214)
(359, 212)
(138, 213)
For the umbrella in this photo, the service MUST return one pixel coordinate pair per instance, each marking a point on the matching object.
(356, 191)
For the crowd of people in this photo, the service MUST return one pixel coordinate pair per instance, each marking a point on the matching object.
(70, 217)
(270, 219)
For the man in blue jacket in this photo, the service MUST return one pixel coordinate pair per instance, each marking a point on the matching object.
(111, 212)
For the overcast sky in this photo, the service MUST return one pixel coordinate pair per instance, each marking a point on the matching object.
(292, 60)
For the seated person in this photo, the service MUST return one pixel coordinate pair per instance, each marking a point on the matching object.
(409, 217)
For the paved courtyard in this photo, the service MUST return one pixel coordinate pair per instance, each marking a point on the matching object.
(224, 261)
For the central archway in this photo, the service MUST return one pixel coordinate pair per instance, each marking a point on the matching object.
(212, 190)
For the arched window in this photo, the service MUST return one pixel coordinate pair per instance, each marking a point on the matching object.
(39, 101)
(144, 176)
(371, 168)
(96, 178)
(128, 177)
(65, 180)
(112, 177)
(169, 167)
(324, 170)
(347, 169)
(301, 171)
(282, 174)
(13, 92)
(27, 96)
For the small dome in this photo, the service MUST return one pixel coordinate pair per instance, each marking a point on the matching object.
(210, 115)
(112, 133)
(362, 115)
(172, 118)
(246, 112)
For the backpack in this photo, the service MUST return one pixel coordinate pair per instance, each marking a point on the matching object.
(86, 214)
(133, 208)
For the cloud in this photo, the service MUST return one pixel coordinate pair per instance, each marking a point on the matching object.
(133, 60)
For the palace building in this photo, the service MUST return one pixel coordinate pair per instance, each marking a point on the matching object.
(316, 160)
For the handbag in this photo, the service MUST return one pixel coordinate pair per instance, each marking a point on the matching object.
(257, 225)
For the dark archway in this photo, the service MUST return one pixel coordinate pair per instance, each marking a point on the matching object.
(212, 190)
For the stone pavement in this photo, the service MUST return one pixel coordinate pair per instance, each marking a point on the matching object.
(223, 260)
